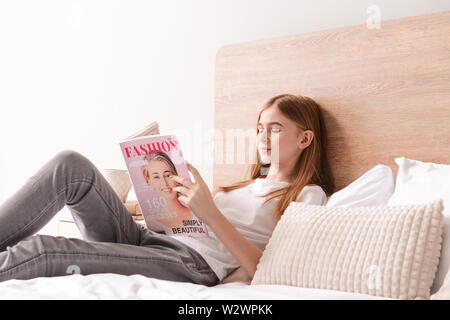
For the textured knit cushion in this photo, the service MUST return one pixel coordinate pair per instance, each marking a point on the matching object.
(388, 251)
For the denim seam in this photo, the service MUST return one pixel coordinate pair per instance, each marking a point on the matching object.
(114, 256)
(47, 254)
(21, 264)
(118, 256)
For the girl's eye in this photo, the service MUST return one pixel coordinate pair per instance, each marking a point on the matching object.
(274, 130)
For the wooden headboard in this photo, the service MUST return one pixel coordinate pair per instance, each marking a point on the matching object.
(385, 93)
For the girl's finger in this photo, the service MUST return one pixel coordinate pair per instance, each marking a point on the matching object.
(195, 172)
(182, 190)
(192, 169)
(183, 199)
(185, 182)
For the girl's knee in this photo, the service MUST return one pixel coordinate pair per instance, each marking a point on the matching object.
(70, 156)
(69, 161)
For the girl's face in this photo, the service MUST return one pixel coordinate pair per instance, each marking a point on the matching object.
(279, 139)
(158, 178)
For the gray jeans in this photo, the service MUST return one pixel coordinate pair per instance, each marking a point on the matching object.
(112, 241)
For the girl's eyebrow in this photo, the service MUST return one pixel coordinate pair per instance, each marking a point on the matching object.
(273, 122)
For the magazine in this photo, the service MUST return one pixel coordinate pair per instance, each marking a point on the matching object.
(151, 158)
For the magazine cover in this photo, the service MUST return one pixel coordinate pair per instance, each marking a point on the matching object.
(150, 161)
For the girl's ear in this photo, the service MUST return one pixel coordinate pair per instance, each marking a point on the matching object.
(306, 139)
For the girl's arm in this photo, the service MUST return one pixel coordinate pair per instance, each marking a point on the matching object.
(199, 199)
(246, 253)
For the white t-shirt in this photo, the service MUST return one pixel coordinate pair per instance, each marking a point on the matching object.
(245, 212)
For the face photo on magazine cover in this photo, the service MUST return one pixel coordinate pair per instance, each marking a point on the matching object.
(156, 170)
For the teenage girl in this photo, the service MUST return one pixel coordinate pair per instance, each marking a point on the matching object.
(292, 165)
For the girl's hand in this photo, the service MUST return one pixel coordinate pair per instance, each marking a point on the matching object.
(196, 195)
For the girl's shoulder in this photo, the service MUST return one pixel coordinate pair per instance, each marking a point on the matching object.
(312, 194)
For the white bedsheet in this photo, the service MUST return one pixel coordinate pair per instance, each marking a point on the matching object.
(114, 286)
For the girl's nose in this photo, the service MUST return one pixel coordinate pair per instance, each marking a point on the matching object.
(264, 134)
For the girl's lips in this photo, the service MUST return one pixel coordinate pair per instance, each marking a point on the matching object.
(166, 190)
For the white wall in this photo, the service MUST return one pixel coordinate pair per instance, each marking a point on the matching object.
(84, 74)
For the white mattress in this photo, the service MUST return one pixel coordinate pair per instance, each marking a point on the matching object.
(114, 286)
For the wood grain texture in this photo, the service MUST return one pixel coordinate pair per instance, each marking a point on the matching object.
(385, 93)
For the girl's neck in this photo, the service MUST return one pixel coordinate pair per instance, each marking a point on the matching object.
(279, 175)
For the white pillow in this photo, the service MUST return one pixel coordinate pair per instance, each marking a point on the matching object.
(388, 251)
(373, 188)
(444, 291)
(418, 182)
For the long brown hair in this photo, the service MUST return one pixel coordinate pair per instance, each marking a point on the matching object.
(312, 166)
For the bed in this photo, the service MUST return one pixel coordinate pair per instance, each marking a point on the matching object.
(385, 94)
